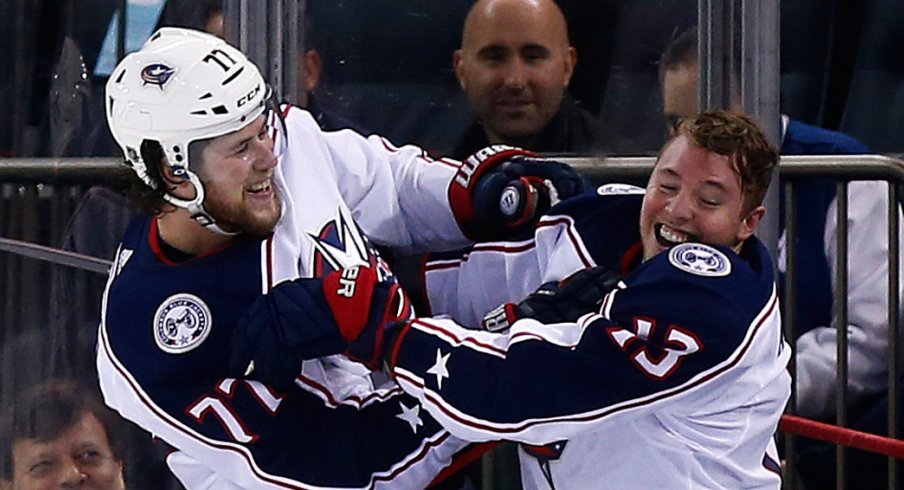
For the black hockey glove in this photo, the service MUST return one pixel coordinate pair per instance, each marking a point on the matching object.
(556, 302)
(310, 318)
(500, 192)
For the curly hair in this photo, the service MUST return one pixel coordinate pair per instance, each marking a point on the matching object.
(151, 199)
(738, 137)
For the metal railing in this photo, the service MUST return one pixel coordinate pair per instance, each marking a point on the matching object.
(793, 169)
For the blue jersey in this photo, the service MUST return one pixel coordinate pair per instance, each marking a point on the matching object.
(166, 327)
(678, 381)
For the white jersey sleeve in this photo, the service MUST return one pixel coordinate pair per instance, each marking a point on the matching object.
(867, 307)
(591, 230)
(398, 195)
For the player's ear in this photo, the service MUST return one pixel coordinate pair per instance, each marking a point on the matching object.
(458, 66)
(749, 224)
(571, 60)
(313, 68)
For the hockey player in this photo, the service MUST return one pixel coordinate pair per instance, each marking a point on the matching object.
(246, 196)
(677, 380)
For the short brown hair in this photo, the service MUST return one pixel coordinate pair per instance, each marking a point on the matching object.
(45, 411)
(739, 138)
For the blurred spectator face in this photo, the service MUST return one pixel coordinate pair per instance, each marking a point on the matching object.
(679, 92)
(515, 64)
(214, 23)
(694, 194)
(80, 457)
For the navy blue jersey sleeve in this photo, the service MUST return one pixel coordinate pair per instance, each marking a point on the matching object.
(679, 325)
(162, 363)
(606, 220)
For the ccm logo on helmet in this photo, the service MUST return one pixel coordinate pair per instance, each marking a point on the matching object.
(247, 97)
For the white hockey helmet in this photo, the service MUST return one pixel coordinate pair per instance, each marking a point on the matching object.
(182, 86)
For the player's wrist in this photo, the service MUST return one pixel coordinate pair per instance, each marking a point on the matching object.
(393, 339)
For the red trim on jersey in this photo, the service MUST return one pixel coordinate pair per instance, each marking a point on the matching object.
(456, 338)
(359, 401)
(161, 416)
(629, 259)
(154, 241)
(492, 247)
(573, 237)
(269, 259)
(436, 266)
(452, 413)
(440, 264)
(394, 355)
(462, 459)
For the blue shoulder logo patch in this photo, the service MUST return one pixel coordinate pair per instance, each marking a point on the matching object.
(181, 323)
(611, 189)
(700, 259)
(157, 74)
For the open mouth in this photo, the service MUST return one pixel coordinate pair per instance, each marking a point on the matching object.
(260, 187)
(669, 237)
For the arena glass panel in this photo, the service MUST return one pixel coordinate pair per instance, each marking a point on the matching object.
(51, 85)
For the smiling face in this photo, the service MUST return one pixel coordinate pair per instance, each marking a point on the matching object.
(694, 194)
(237, 173)
(80, 457)
(515, 64)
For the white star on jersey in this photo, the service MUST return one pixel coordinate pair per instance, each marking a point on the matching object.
(411, 415)
(439, 368)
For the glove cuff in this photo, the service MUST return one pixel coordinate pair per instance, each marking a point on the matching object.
(394, 338)
(500, 318)
(349, 294)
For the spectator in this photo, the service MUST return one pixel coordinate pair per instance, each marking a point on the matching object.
(816, 248)
(213, 18)
(617, 364)
(243, 195)
(515, 64)
(55, 435)
(310, 65)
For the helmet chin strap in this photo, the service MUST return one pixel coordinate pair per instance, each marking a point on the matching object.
(195, 206)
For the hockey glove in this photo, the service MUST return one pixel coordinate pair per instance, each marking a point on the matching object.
(282, 328)
(363, 309)
(500, 192)
(310, 318)
(557, 302)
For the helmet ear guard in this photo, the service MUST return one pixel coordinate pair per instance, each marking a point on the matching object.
(182, 86)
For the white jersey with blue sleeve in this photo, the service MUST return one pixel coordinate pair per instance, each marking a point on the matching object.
(599, 228)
